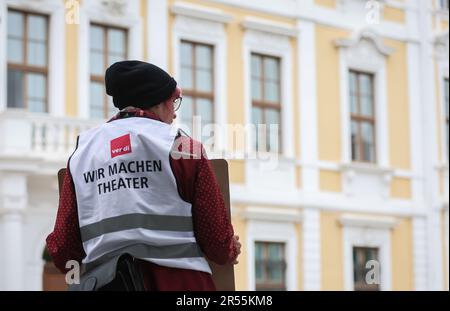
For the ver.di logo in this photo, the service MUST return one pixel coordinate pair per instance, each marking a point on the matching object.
(120, 146)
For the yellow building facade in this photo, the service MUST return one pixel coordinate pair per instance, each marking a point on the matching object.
(355, 198)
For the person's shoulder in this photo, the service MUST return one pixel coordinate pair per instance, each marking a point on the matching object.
(188, 147)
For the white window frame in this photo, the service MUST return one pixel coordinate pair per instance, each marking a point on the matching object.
(271, 39)
(92, 12)
(205, 26)
(282, 231)
(376, 65)
(366, 231)
(55, 11)
(443, 74)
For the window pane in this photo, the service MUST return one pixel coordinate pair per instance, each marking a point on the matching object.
(366, 106)
(113, 59)
(367, 132)
(37, 54)
(186, 54)
(271, 91)
(273, 143)
(111, 109)
(96, 100)
(15, 50)
(259, 271)
(116, 41)
(96, 38)
(274, 251)
(259, 251)
(15, 24)
(204, 109)
(36, 86)
(186, 78)
(355, 146)
(257, 119)
(186, 111)
(353, 104)
(203, 57)
(36, 105)
(37, 27)
(97, 63)
(352, 83)
(256, 66)
(365, 84)
(203, 80)
(257, 116)
(271, 70)
(276, 273)
(15, 89)
(362, 255)
(256, 89)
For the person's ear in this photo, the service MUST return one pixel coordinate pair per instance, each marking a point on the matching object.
(167, 105)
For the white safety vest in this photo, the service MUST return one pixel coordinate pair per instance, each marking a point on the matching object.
(127, 196)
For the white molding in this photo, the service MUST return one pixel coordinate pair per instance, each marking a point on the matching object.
(366, 168)
(308, 11)
(339, 202)
(443, 73)
(276, 28)
(375, 235)
(266, 231)
(368, 58)
(56, 61)
(200, 12)
(157, 33)
(278, 46)
(366, 34)
(373, 222)
(92, 12)
(272, 214)
(212, 33)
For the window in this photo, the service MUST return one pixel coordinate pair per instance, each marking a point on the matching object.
(362, 109)
(107, 46)
(27, 54)
(361, 255)
(270, 266)
(266, 101)
(446, 114)
(197, 80)
(444, 4)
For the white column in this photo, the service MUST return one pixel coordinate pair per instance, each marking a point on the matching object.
(416, 124)
(311, 250)
(430, 147)
(3, 45)
(13, 201)
(446, 230)
(420, 253)
(308, 105)
(435, 251)
(158, 32)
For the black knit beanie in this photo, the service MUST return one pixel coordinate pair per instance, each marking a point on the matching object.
(138, 84)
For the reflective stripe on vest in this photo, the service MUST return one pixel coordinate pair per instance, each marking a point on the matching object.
(134, 221)
(127, 196)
